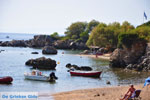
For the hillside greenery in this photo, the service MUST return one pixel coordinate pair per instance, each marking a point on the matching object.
(111, 35)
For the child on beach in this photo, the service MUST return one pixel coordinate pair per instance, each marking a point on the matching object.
(129, 92)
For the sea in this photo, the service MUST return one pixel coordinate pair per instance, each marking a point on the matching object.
(12, 63)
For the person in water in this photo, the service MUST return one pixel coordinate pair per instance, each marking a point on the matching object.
(129, 92)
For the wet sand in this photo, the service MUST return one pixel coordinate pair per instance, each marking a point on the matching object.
(106, 93)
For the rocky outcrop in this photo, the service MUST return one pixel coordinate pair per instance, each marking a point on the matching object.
(49, 50)
(42, 63)
(17, 43)
(62, 44)
(14, 43)
(40, 41)
(127, 57)
(143, 64)
(83, 68)
(69, 44)
(37, 41)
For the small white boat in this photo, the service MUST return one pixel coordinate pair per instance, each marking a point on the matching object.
(37, 76)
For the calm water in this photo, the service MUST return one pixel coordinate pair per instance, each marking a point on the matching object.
(15, 36)
(12, 63)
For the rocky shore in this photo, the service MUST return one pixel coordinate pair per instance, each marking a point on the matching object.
(40, 41)
(135, 58)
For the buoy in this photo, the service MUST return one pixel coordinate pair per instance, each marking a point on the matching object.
(58, 62)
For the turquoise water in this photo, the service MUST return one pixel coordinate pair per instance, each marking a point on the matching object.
(12, 63)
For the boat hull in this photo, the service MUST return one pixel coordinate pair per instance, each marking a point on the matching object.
(86, 73)
(38, 78)
(6, 80)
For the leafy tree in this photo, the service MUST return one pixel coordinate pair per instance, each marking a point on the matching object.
(145, 24)
(127, 39)
(97, 36)
(126, 27)
(55, 36)
(84, 36)
(75, 29)
(91, 25)
(143, 31)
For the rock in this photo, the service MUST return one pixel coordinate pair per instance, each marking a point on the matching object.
(40, 41)
(85, 52)
(108, 82)
(17, 43)
(83, 68)
(6, 43)
(116, 59)
(42, 63)
(14, 43)
(78, 45)
(7, 36)
(129, 66)
(62, 44)
(34, 53)
(49, 50)
(68, 65)
(124, 57)
(69, 44)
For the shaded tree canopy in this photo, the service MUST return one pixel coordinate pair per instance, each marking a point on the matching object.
(91, 25)
(75, 29)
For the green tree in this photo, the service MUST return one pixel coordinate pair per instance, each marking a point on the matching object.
(55, 35)
(75, 29)
(127, 39)
(97, 36)
(91, 25)
(126, 27)
(84, 36)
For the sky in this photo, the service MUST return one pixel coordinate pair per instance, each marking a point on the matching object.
(49, 16)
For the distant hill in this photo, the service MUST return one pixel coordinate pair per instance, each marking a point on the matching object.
(145, 24)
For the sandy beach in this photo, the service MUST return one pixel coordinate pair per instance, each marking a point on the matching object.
(106, 93)
(103, 57)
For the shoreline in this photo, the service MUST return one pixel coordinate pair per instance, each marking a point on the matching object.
(104, 93)
(103, 57)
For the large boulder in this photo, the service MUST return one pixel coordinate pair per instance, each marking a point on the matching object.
(42, 63)
(62, 44)
(49, 50)
(70, 44)
(143, 64)
(78, 45)
(40, 41)
(125, 56)
(17, 43)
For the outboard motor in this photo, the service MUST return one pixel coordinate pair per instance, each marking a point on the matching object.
(52, 76)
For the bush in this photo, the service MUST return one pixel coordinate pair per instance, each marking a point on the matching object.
(127, 39)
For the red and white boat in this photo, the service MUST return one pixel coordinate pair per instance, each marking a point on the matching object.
(86, 73)
(6, 80)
